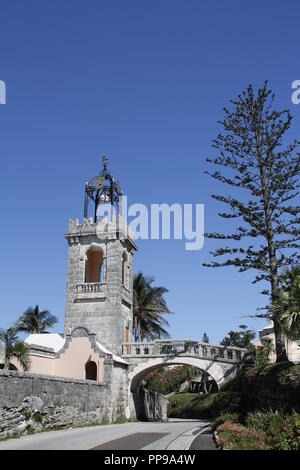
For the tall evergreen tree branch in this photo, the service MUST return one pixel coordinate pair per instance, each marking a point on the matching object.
(251, 150)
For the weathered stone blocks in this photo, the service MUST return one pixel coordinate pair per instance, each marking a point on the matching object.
(103, 312)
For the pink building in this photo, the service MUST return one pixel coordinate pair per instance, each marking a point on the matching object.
(77, 356)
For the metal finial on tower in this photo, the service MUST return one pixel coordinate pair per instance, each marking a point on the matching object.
(105, 161)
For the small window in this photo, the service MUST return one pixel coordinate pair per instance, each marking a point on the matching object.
(91, 370)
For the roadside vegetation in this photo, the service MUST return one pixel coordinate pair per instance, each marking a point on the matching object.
(262, 430)
(268, 415)
(259, 409)
(252, 159)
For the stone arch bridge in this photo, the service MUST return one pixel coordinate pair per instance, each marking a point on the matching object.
(221, 362)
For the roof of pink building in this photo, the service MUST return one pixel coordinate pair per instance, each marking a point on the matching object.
(48, 340)
(56, 342)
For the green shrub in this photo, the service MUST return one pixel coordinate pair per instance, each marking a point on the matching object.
(282, 431)
(37, 417)
(27, 414)
(104, 420)
(287, 435)
(120, 420)
(269, 421)
(237, 437)
(225, 417)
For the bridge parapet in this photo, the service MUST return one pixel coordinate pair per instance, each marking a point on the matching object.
(185, 347)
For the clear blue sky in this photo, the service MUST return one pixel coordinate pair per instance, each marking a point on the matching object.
(144, 82)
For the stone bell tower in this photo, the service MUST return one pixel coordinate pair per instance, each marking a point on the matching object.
(100, 267)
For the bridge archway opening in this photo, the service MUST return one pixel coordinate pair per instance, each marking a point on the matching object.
(219, 371)
(215, 373)
(141, 377)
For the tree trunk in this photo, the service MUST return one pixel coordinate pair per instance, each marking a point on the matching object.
(281, 355)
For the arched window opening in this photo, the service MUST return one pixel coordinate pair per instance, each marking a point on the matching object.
(127, 332)
(124, 270)
(127, 329)
(94, 265)
(128, 277)
(91, 370)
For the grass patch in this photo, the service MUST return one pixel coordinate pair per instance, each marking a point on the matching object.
(120, 420)
(274, 369)
(190, 405)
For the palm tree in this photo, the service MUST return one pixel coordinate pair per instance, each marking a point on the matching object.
(35, 321)
(149, 306)
(287, 306)
(14, 348)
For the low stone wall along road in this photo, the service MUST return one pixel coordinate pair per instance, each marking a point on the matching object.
(172, 435)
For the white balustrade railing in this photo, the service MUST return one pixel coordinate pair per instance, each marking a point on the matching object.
(183, 347)
(89, 287)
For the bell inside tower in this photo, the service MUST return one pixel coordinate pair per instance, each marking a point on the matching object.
(105, 193)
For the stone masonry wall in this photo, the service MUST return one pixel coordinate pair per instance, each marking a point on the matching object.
(101, 312)
(149, 405)
(32, 402)
(85, 395)
(117, 399)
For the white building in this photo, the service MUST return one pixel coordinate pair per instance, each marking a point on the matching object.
(292, 347)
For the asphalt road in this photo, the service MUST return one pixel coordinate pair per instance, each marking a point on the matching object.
(173, 435)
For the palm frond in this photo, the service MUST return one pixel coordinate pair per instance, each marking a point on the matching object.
(35, 321)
